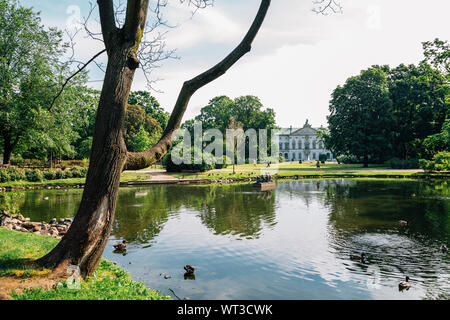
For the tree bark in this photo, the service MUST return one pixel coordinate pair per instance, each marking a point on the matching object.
(8, 147)
(85, 241)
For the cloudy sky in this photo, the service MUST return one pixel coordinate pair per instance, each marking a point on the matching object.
(297, 60)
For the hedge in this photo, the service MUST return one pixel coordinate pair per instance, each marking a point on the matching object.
(36, 175)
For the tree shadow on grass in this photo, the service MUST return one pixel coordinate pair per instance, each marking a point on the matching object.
(23, 268)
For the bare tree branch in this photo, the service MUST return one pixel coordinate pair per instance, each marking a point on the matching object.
(324, 6)
(72, 76)
(136, 161)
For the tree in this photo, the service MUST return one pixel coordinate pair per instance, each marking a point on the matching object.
(140, 129)
(360, 121)
(437, 54)
(150, 105)
(418, 95)
(84, 243)
(29, 72)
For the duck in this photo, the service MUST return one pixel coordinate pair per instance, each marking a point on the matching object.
(361, 257)
(189, 269)
(121, 245)
(403, 223)
(444, 248)
(404, 284)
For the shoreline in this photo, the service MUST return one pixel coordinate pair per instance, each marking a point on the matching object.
(175, 181)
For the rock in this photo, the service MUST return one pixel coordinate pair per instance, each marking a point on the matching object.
(37, 228)
(20, 217)
(69, 220)
(53, 221)
(5, 220)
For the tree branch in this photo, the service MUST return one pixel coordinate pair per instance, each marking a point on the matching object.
(136, 161)
(108, 20)
(72, 76)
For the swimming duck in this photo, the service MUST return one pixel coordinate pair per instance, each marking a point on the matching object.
(189, 269)
(403, 223)
(444, 248)
(404, 284)
(121, 245)
(361, 257)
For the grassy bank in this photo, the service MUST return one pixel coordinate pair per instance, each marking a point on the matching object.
(18, 250)
(304, 169)
(125, 177)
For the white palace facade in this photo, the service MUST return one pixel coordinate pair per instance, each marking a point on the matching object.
(302, 144)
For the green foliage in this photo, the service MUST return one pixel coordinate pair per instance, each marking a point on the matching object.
(30, 73)
(141, 141)
(440, 162)
(396, 163)
(419, 107)
(360, 122)
(323, 158)
(34, 175)
(150, 105)
(208, 162)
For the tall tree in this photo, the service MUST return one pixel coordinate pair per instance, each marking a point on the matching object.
(150, 105)
(418, 94)
(86, 239)
(360, 120)
(29, 69)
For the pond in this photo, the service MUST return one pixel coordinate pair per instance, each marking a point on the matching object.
(290, 243)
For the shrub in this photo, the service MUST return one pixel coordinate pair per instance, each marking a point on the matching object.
(76, 172)
(34, 175)
(16, 174)
(4, 175)
(396, 163)
(59, 174)
(440, 162)
(50, 175)
(323, 157)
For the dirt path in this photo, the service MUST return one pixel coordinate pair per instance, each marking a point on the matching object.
(158, 175)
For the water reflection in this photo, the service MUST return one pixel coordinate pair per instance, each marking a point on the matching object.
(290, 243)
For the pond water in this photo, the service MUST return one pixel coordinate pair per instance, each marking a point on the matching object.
(290, 243)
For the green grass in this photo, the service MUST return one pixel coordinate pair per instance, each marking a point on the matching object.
(109, 282)
(304, 169)
(125, 177)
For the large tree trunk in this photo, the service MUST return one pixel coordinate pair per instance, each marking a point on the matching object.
(85, 241)
(7, 149)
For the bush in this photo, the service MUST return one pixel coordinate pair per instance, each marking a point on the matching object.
(440, 162)
(348, 159)
(323, 157)
(4, 176)
(225, 162)
(396, 163)
(208, 163)
(16, 174)
(50, 175)
(76, 172)
(59, 174)
(34, 175)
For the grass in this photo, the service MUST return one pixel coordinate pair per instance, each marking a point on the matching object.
(305, 169)
(109, 282)
(125, 177)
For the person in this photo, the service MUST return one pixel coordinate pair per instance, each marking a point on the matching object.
(318, 164)
(268, 164)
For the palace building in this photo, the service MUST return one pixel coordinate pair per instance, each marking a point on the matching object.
(302, 144)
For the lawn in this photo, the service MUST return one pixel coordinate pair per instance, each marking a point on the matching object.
(295, 168)
(125, 177)
(109, 282)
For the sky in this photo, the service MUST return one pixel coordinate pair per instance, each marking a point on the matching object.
(297, 59)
